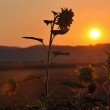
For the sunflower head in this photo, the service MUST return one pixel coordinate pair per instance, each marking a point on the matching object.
(64, 18)
(10, 86)
(87, 73)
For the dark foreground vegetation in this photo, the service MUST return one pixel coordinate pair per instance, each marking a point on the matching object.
(84, 88)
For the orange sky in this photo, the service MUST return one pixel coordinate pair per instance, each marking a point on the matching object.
(20, 18)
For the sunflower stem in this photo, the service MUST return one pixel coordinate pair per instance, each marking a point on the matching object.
(108, 72)
(48, 64)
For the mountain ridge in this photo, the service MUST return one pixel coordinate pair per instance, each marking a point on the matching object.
(90, 53)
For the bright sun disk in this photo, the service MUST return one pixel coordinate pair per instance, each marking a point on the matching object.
(94, 34)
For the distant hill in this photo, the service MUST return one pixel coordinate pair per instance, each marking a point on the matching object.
(78, 54)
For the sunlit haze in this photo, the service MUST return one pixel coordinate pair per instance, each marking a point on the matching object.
(20, 18)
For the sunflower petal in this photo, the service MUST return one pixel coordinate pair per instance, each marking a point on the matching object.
(55, 13)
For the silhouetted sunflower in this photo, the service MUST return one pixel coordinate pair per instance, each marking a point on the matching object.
(87, 74)
(64, 18)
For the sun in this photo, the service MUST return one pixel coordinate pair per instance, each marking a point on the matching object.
(94, 33)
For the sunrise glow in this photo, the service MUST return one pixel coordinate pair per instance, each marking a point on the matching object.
(25, 18)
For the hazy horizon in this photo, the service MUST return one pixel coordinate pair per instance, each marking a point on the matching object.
(57, 45)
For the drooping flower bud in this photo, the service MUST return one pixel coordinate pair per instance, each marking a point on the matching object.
(64, 19)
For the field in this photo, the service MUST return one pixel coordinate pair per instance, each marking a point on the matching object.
(33, 89)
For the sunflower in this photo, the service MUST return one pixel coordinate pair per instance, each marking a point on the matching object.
(87, 74)
(64, 18)
(10, 86)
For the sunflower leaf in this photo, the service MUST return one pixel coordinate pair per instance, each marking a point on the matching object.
(61, 32)
(91, 88)
(57, 53)
(47, 22)
(102, 64)
(33, 38)
(72, 84)
(92, 100)
(31, 77)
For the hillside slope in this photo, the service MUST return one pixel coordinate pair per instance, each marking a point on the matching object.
(36, 53)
